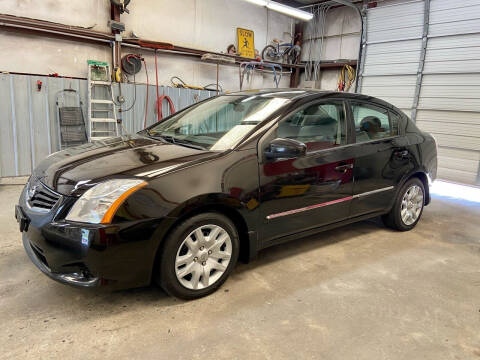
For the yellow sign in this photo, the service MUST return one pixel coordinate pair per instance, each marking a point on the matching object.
(246, 43)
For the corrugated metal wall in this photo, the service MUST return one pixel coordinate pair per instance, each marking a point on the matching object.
(394, 40)
(449, 102)
(28, 117)
(442, 93)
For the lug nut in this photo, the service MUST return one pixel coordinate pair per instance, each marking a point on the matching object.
(204, 263)
(195, 259)
(209, 252)
(202, 247)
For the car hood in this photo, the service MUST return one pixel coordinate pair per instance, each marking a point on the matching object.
(74, 170)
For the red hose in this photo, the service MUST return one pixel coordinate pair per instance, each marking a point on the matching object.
(156, 77)
(163, 97)
(159, 106)
(146, 99)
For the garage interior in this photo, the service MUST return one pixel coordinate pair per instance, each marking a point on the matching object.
(360, 291)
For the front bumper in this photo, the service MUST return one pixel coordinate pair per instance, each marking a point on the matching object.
(80, 278)
(116, 256)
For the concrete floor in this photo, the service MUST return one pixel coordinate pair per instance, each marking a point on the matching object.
(358, 292)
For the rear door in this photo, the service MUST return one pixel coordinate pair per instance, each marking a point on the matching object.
(380, 158)
(312, 190)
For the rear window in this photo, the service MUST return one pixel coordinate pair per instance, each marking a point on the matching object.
(373, 122)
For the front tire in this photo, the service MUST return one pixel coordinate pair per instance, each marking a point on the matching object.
(198, 256)
(408, 206)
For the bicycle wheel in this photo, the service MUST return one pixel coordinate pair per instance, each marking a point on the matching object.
(269, 53)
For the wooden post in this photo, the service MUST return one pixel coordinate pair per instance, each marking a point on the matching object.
(298, 36)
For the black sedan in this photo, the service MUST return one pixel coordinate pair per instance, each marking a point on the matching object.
(180, 202)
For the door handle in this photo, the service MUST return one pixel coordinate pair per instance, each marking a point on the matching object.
(344, 167)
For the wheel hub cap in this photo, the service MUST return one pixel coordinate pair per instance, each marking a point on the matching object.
(203, 257)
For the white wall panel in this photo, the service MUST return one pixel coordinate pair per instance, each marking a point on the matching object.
(438, 103)
(454, 28)
(390, 69)
(393, 51)
(438, 127)
(458, 142)
(449, 116)
(395, 22)
(450, 92)
(457, 176)
(390, 91)
(450, 67)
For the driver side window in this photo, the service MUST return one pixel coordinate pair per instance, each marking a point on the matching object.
(319, 126)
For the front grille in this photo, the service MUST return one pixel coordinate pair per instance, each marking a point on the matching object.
(40, 197)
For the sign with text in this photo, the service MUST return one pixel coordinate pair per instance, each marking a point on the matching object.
(246, 43)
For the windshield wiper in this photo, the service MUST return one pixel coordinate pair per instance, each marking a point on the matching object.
(177, 141)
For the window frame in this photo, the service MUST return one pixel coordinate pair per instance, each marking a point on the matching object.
(339, 101)
(353, 132)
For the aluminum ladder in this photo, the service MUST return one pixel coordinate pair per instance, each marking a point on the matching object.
(102, 117)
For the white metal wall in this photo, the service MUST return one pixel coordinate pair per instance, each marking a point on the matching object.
(449, 103)
(447, 80)
(394, 40)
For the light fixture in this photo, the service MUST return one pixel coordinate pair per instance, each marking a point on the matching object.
(284, 9)
(259, 2)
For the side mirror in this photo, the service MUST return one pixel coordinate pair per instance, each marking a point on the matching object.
(282, 148)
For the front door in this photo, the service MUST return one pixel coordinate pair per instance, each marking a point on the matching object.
(311, 190)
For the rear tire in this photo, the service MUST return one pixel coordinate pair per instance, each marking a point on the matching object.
(408, 207)
(198, 256)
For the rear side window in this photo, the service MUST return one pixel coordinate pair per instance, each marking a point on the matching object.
(373, 122)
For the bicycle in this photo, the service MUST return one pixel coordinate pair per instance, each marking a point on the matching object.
(278, 52)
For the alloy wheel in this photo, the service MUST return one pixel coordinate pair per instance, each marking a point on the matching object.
(203, 257)
(412, 204)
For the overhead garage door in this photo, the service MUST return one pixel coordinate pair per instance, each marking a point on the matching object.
(394, 42)
(448, 103)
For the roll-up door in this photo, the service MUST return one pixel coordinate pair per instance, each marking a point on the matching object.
(394, 42)
(449, 103)
(448, 77)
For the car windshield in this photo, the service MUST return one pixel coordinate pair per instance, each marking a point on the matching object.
(217, 124)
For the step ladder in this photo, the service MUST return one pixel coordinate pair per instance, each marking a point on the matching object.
(102, 117)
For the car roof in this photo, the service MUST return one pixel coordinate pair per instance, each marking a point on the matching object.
(311, 94)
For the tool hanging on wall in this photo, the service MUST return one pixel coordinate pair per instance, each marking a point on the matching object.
(100, 101)
(131, 65)
(179, 83)
(343, 84)
(71, 123)
(159, 105)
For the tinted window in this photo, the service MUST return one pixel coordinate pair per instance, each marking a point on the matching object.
(319, 126)
(372, 122)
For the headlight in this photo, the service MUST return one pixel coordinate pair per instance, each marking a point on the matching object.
(99, 204)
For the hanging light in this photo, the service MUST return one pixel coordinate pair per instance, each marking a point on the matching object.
(284, 9)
